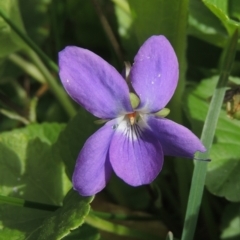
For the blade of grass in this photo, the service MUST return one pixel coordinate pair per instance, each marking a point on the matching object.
(118, 229)
(200, 168)
(15, 116)
(56, 89)
(12, 201)
(36, 54)
(27, 66)
(24, 203)
(119, 216)
(108, 30)
(29, 42)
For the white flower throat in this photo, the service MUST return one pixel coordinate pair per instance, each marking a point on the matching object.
(131, 125)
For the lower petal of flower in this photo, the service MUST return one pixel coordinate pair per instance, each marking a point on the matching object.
(135, 154)
(176, 140)
(93, 169)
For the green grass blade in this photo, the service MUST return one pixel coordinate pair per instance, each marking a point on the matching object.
(200, 168)
(27, 67)
(29, 42)
(118, 229)
(11, 201)
(36, 54)
(56, 89)
(28, 204)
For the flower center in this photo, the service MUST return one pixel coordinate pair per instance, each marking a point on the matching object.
(132, 117)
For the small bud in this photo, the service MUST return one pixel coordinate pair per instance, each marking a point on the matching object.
(134, 100)
(163, 113)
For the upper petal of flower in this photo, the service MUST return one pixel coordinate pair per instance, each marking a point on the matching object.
(135, 154)
(175, 139)
(154, 74)
(93, 83)
(93, 169)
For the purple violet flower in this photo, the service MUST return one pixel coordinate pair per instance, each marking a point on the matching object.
(134, 140)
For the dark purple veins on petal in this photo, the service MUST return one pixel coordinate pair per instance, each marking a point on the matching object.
(136, 158)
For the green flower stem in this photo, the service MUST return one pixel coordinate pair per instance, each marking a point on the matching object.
(33, 51)
(28, 67)
(54, 86)
(12, 201)
(29, 42)
(14, 115)
(29, 204)
(118, 229)
(108, 30)
(200, 168)
(114, 216)
(32, 110)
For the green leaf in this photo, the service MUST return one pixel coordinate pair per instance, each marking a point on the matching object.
(29, 167)
(85, 232)
(6, 233)
(31, 170)
(156, 17)
(69, 217)
(17, 222)
(46, 132)
(205, 25)
(234, 9)
(9, 41)
(45, 177)
(230, 223)
(23, 223)
(223, 171)
(220, 9)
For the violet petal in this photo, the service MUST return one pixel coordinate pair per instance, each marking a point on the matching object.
(93, 169)
(154, 74)
(93, 83)
(176, 140)
(135, 154)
